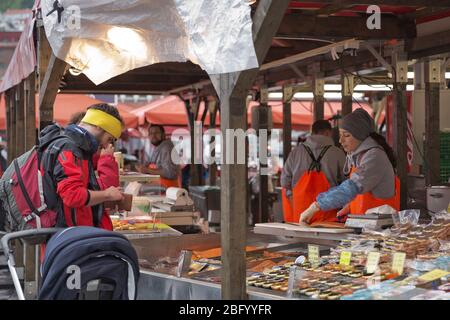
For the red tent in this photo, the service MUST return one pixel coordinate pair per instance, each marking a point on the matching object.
(170, 111)
(68, 104)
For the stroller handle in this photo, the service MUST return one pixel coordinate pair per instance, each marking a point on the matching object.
(8, 237)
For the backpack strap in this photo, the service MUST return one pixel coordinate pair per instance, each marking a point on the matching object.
(315, 164)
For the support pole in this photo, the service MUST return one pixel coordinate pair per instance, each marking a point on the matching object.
(9, 114)
(400, 124)
(263, 128)
(347, 82)
(20, 119)
(49, 89)
(195, 170)
(319, 99)
(212, 109)
(288, 95)
(232, 89)
(30, 111)
(432, 122)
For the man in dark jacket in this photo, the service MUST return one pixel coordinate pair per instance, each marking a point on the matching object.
(70, 186)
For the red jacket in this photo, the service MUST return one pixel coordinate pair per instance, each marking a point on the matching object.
(71, 175)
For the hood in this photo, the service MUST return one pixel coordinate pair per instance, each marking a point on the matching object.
(48, 134)
(317, 141)
(367, 144)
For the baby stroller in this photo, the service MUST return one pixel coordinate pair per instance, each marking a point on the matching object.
(80, 263)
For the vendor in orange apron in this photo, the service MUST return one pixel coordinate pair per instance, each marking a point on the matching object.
(311, 183)
(161, 161)
(366, 201)
(166, 183)
(372, 181)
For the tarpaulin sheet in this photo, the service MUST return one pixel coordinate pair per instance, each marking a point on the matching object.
(105, 38)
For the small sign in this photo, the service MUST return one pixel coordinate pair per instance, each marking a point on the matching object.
(398, 262)
(345, 258)
(433, 275)
(373, 259)
(313, 254)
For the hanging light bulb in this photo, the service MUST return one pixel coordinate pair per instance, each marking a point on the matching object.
(74, 71)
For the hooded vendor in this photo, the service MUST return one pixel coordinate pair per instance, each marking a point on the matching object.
(370, 165)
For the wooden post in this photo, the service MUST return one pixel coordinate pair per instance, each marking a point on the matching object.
(9, 121)
(30, 111)
(263, 135)
(195, 169)
(30, 283)
(212, 108)
(432, 122)
(319, 99)
(12, 149)
(49, 89)
(400, 124)
(232, 90)
(288, 95)
(20, 119)
(347, 82)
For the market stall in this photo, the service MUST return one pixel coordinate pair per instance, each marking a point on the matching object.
(407, 261)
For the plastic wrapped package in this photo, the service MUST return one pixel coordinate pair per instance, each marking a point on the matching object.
(105, 38)
(404, 217)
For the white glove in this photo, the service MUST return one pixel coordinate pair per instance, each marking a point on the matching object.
(307, 215)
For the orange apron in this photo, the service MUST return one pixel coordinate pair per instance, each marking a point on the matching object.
(309, 186)
(166, 183)
(366, 201)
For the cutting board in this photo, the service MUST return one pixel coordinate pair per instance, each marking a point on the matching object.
(298, 228)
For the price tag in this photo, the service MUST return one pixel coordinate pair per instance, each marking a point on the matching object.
(345, 258)
(372, 262)
(433, 275)
(313, 254)
(398, 262)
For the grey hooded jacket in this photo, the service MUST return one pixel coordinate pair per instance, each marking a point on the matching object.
(162, 157)
(298, 162)
(374, 172)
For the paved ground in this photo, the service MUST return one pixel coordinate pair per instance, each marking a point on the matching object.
(7, 291)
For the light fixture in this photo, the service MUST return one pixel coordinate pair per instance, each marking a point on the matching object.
(128, 40)
(74, 71)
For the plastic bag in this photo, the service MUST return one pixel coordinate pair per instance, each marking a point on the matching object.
(410, 216)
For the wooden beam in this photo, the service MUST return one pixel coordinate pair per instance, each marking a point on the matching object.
(213, 109)
(9, 100)
(319, 100)
(432, 123)
(288, 95)
(347, 83)
(263, 135)
(424, 46)
(20, 119)
(232, 90)
(400, 124)
(49, 90)
(307, 26)
(408, 3)
(30, 111)
(336, 6)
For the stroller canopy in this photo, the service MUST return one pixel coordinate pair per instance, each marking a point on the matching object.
(78, 257)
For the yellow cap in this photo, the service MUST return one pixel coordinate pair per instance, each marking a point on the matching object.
(105, 121)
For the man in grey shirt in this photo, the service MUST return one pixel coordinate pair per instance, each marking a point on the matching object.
(161, 162)
(299, 160)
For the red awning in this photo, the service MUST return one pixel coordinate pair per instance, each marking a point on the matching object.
(68, 104)
(170, 111)
(23, 61)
